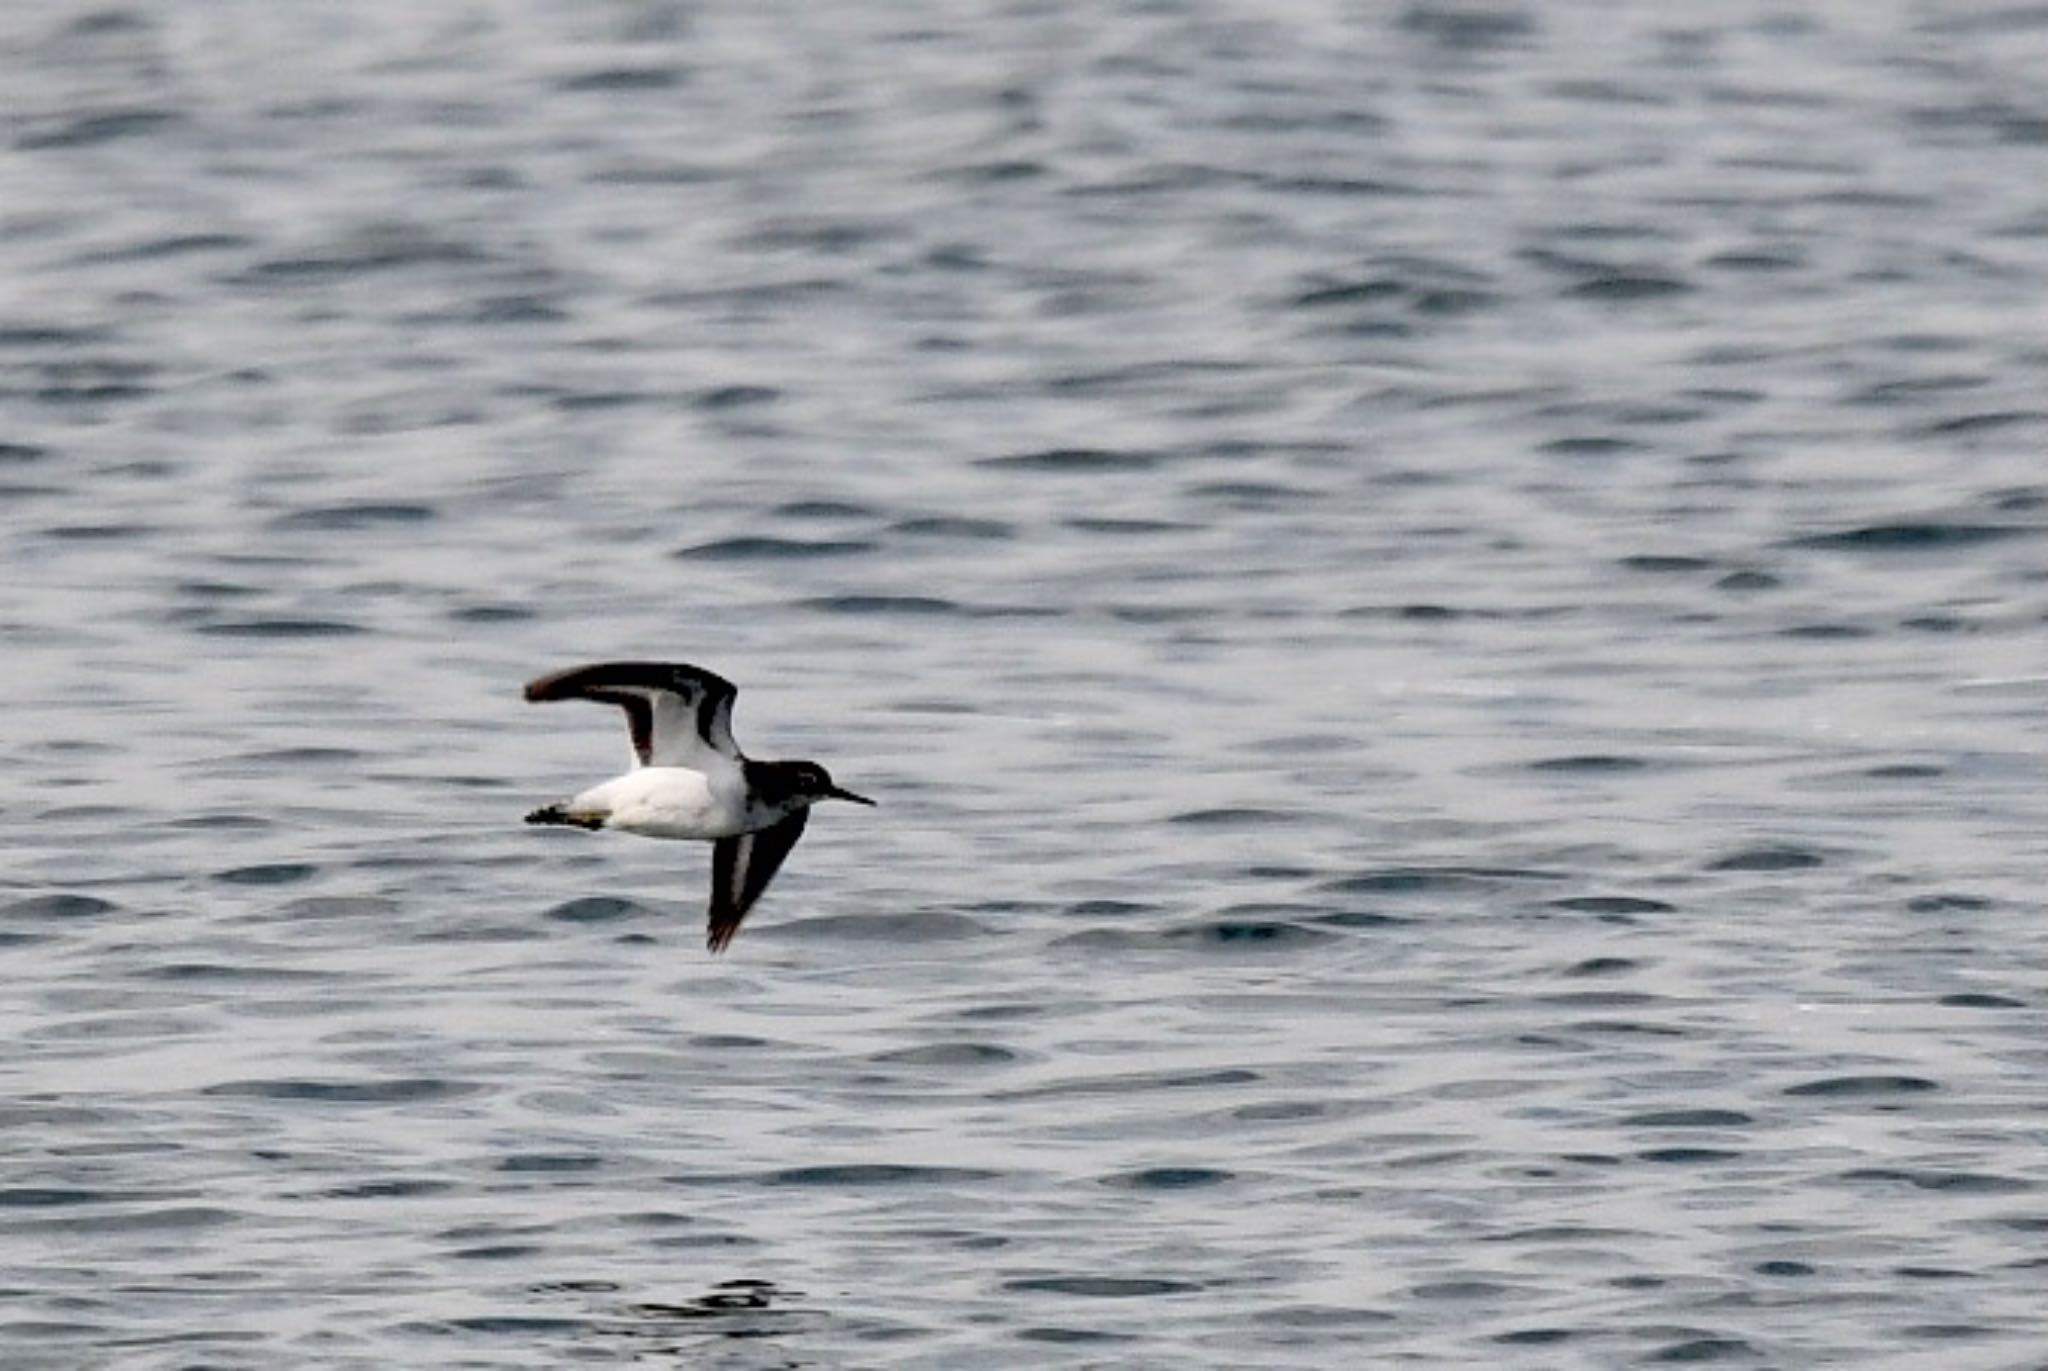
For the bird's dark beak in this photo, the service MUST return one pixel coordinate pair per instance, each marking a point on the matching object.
(835, 793)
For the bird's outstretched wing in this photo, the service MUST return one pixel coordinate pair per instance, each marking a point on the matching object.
(741, 868)
(679, 715)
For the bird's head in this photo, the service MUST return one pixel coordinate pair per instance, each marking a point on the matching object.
(799, 783)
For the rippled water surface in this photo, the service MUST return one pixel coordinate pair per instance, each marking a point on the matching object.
(1444, 601)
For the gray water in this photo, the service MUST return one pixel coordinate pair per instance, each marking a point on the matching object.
(1444, 603)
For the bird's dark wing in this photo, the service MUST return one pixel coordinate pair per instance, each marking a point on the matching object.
(741, 869)
(679, 715)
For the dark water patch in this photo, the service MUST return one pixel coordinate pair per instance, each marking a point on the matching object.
(1296, 183)
(23, 337)
(1747, 582)
(1408, 880)
(1240, 933)
(1948, 902)
(268, 873)
(1627, 287)
(1155, 614)
(1100, 1287)
(959, 1054)
(1665, 565)
(550, 1162)
(913, 606)
(1595, 763)
(1977, 999)
(730, 1042)
(920, 926)
(833, 235)
(1828, 632)
(405, 1189)
(281, 628)
(1612, 904)
(1768, 859)
(1134, 1083)
(491, 614)
(1784, 1269)
(1938, 623)
(1602, 966)
(1109, 909)
(1990, 421)
(600, 401)
(1601, 999)
(1233, 818)
(91, 130)
(691, 1242)
(217, 590)
(1756, 259)
(1365, 292)
(508, 1325)
(1629, 1028)
(374, 248)
(1906, 771)
(1863, 1087)
(1073, 461)
(1063, 1337)
(1537, 1337)
(178, 245)
(302, 758)
(948, 526)
(21, 454)
(100, 1224)
(1169, 1178)
(1688, 1118)
(595, 909)
(622, 80)
(401, 1090)
(1703, 1349)
(856, 1176)
(499, 311)
(1362, 918)
(1590, 445)
(59, 905)
(764, 549)
(1951, 1332)
(1470, 28)
(64, 1197)
(357, 515)
(1459, 1290)
(1554, 1233)
(2018, 499)
(1915, 388)
(720, 399)
(1283, 1111)
(1922, 535)
(222, 973)
(999, 171)
(1687, 1156)
(1121, 528)
(100, 533)
(1959, 1182)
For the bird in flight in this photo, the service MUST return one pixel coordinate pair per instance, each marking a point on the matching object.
(692, 781)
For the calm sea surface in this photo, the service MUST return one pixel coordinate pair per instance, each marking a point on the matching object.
(1445, 603)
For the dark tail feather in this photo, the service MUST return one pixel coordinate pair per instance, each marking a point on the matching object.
(555, 814)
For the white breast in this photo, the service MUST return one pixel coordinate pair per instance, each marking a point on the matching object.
(665, 802)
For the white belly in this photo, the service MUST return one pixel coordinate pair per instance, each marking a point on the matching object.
(664, 802)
